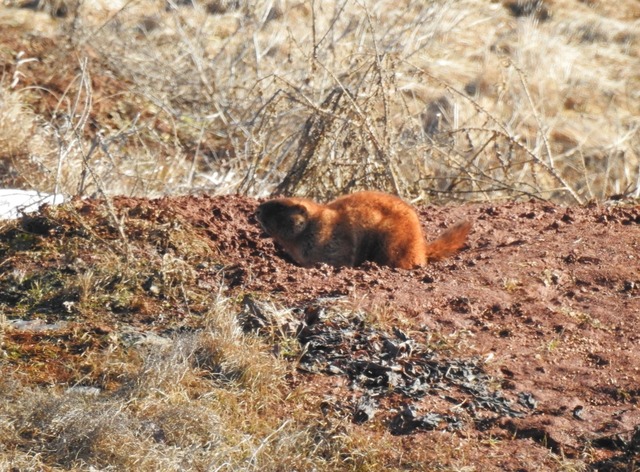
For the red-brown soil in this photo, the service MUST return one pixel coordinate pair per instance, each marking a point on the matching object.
(550, 295)
(546, 299)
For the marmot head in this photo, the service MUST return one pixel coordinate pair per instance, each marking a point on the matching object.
(282, 218)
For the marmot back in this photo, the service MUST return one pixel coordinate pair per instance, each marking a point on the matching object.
(364, 226)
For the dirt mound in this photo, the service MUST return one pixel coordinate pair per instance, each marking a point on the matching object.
(531, 332)
(548, 296)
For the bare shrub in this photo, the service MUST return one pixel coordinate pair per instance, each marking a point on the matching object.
(444, 100)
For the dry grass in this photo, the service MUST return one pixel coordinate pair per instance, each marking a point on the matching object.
(443, 100)
(203, 401)
(450, 100)
(209, 400)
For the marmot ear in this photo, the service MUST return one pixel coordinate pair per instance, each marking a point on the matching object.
(300, 210)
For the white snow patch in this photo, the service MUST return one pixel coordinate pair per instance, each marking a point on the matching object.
(15, 202)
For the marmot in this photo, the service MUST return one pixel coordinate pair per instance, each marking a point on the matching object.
(364, 226)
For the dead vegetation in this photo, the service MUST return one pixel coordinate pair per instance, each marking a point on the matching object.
(449, 100)
(129, 340)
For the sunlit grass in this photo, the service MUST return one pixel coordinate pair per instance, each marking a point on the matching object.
(454, 100)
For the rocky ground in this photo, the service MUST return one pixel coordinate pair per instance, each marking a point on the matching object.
(529, 338)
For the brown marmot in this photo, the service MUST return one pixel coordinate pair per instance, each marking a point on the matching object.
(364, 226)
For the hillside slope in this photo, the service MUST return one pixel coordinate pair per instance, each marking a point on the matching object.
(202, 343)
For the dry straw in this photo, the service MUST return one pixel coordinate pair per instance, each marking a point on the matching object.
(443, 100)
